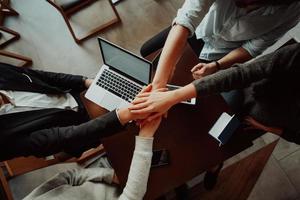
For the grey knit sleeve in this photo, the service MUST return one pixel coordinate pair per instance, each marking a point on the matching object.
(237, 77)
(136, 185)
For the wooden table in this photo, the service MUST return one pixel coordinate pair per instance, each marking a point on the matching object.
(184, 134)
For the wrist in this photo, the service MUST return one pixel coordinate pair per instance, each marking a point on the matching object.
(124, 115)
(146, 134)
(184, 93)
(218, 65)
(158, 84)
(175, 97)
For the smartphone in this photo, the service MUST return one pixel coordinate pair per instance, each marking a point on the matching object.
(160, 158)
(189, 101)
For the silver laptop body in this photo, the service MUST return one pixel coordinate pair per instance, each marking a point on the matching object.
(120, 78)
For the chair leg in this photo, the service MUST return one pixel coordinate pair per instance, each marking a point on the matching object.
(26, 61)
(15, 34)
(7, 10)
(92, 32)
(4, 187)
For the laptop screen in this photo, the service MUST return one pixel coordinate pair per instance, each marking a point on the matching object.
(125, 62)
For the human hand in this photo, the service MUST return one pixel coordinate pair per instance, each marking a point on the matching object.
(253, 124)
(156, 103)
(203, 69)
(148, 129)
(125, 115)
(115, 179)
(88, 82)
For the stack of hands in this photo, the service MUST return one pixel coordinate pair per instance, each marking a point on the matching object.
(156, 102)
(152, 104)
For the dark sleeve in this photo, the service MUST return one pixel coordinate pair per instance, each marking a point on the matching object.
(59, 80)
(73, 140)
(291, 136)
(242, 75)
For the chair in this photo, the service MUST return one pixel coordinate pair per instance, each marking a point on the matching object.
(25, 60)
(5, 192)
(69, 8)
(15, 36)
(6, 9)
(22, 165)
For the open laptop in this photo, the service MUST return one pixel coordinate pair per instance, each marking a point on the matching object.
(120, 78)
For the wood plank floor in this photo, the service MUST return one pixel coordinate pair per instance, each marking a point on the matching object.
(237, 181)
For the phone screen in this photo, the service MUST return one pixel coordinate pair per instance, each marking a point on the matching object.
(160, 158)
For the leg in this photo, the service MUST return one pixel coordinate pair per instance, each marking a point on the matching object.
(196, 44)
(234, 99)
(155, 43)
(211, 177)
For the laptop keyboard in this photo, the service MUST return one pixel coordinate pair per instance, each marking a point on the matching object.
(118, 85)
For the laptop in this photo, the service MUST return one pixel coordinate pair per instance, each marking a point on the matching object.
(121, 77)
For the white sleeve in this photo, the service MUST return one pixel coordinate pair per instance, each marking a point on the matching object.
(191, 13)
(136, 185)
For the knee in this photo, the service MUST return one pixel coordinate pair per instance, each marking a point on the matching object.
(145, 49)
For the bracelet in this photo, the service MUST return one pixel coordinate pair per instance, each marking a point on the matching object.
(218, 65)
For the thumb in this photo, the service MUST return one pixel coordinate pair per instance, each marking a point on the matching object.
(197, 67)
(148, 88)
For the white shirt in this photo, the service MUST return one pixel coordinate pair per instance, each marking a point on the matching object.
(224, 27)
(26, 101)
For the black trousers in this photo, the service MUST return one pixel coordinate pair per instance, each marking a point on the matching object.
(157, 42)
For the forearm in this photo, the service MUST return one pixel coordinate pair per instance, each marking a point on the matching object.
(184, 93)
(136, 185)
(125, 115)
(72, 139)
(239, 55)
(171, 53)
(60, 80)
(237, 77)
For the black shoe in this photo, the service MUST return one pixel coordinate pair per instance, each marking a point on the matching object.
(211, 177)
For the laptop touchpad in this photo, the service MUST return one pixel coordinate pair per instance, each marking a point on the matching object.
(110, 101)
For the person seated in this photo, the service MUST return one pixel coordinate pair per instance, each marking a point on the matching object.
(41, 114)
(265, 90)
(268, 90)
(221, 33)
(97, 183)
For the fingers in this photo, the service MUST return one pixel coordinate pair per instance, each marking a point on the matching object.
(141, 111)
(197, 67)
(148, 88)
(197, 75)
(145, 94)
(154, 116)
(138, 106)
(140, 122)
(139, 100)
(166, 115)
(161, 90)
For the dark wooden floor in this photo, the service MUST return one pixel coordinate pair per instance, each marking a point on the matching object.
(236, 181)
